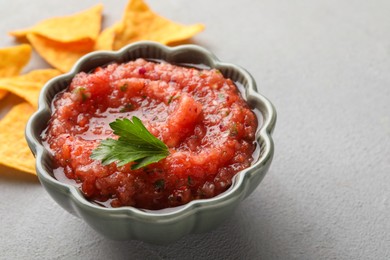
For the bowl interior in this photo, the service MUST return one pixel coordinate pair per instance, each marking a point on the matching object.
(187, 55)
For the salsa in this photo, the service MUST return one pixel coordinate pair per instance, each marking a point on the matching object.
(200, 115)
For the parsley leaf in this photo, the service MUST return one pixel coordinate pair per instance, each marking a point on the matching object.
(135, 144)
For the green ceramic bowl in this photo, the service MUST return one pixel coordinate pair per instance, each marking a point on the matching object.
(154, 226)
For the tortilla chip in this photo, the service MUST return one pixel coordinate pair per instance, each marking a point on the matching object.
(105, 41)
(141, 23)
(40, 76)
(29, 85)
(62, 56)
(3, 93)
(81, 27)
(13, 146)
(12, 61)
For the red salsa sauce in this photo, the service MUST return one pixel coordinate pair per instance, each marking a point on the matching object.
(200, 115)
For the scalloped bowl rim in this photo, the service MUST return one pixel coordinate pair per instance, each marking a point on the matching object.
(239, 181)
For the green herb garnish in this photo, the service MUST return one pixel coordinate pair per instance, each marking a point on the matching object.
(123, 88)
(82, 92)
(189, 181)
(159, 184)
(135, 144)
(171, 98)
(128, 107)
(233, 130)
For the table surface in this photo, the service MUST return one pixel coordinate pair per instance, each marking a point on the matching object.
(326, 67)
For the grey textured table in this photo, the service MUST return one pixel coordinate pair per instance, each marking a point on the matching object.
(325, 65)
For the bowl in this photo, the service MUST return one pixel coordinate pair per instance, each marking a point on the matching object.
(170, 224)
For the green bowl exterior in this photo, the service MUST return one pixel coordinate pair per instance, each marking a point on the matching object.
(153, 226)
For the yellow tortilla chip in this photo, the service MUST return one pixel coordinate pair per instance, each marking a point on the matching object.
(81, 27)
(14, 150)
(105, 41)
(40, 76)
(60, 55)
(12, 61)
(29, 85)
(141, 23)
(3, 94)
